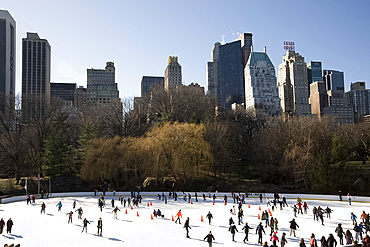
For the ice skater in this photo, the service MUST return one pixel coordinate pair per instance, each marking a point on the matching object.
(210, 217)
(85, 222)
(43, 206)
(293, 227)
(232, 229)
(209, 238)
(340, 233)
(283, 240)
(59, 205)
(246, 231)
(259, 230)
(115, 212)
(2, 224)
(187, 227)
(100, 227)
(80, 212)
(178, 215)
(70, 216)
(9, 225)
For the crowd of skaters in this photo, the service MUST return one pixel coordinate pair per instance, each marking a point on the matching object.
(300, 207)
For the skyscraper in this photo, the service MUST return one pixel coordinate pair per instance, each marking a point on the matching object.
(334, 80)
(318, 98)
(359, 100)
(64, 91)
(293, 84)
(226, 71)
(314, 73)
(172, 74)
(261, 92)
(7, 59)
(101, 86)
(150, 82)
(35, 75)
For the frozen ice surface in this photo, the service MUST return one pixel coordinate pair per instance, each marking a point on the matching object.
(51, 229)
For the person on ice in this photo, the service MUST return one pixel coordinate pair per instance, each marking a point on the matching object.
(210, 217)
(178, 215)
(2, 224)
(293, 227)
(232, 229)
(274, 238)
(349, 238)
(100, 227)
(340, 233)
(301, 243)
(328, 211)
(283, 240)
(209, 238)
(259, 230)
(43, 206)
(323, 242)
(115, 212)
(80, 212)
(265, 217)
(59, 205)
(246, 231)
(231, 221)
(70, 217)
(349, 198)
(240, 216)
(85, 222)
(74, 204)
(313, 242)
(331, 241)
(353, 218)
(187, 226)
(9, 225)
(112, 202)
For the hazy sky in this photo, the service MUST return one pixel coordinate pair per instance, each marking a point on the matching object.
(138, 36)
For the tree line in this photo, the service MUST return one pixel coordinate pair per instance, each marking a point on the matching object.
(179, 135)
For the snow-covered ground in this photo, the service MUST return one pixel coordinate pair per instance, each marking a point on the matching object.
(51, 229)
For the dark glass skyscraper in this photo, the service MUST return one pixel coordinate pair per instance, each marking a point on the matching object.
(334, 80)
(150, 82)
(226, 71)
(7, 60)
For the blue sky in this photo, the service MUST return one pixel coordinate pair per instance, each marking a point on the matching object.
(138, 36)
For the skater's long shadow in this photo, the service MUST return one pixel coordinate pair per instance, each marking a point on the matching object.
(9, 237)
(113, 239)
(224, 226)
(202, 240)
(125, 220)
(17, 236)
(50, 214)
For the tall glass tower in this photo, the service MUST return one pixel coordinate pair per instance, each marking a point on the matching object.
(7, 60)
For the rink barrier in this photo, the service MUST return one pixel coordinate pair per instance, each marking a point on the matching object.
(180, 196)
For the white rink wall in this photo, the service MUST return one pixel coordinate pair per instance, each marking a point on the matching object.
(219, 196)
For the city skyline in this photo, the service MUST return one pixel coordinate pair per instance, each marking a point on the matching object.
(139, 37)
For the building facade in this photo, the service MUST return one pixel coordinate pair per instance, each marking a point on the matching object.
(339, 107)
(172, 74)
(36, 53)
(334, 80)
(64, 91)
(150, 82)
(261, 92)
(7, 60)
(293, 85)
(318, 98)
(314, 73)
(225, 72)
(359, 100)
(101, 86)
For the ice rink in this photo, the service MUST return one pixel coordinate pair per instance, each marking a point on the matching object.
(136, 228)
